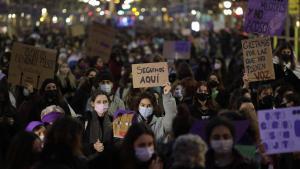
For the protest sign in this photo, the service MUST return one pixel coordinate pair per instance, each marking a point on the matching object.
(77, 30)
(266, 16)
(100, 41)
(122, 121)
(294, 7)
(280, 130)
(150, 74)
(257, 55)
(177, 50)
(30, 64)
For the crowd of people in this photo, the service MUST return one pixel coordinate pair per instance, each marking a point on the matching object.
(68, 122)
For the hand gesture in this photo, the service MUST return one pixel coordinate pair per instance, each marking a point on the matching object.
(156, 164)
(167, 88)
(29, 87)
(246, 80)
(98, 146)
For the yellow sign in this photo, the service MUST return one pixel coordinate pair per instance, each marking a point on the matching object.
(294, 6)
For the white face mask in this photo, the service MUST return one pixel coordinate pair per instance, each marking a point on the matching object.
(42, 137)
(222, 146)
(101, 109)
(106, 88)
(144, 154)
(145, 112)
(26, 92)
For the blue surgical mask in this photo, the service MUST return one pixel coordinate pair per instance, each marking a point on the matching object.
(106, 88)
(145, 111)
(144, 154)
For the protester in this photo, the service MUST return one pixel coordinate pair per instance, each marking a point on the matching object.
(63, 146)
(24, 151)
(220, 134)
(98, 133)
(147, 111)
(203, 108)
(138, 149)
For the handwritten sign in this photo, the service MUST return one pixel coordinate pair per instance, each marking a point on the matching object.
(266, 16)
(280, 130)
(100, 41)
(122, 123)
(294, 7)
(77, 30)
(258, 62)
(150, 74)
(177, 50)
(30, 64)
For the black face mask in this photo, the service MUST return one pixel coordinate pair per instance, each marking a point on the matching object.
(202, 96)
(51, 95)
(286, 58)
(92, 80)
(267, 102)
(213, 83)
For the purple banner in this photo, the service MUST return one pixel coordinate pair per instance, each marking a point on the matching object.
(280, 130)
(266, 16)
(182, 46)
(240, 126)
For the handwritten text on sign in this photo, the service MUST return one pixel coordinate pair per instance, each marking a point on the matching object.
(266, 16)
(32, 65)
(150, 74)
(280, 130)
(258, 63)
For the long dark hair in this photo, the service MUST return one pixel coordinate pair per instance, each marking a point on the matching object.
(63, 140)
(152, 98)
(210, 104)
(128, 158)
(21, 154)
(285, 45)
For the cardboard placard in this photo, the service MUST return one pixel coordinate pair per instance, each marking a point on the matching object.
(121, 125)
(280, 130)
(177, 50)
(266, 17)
(77, 30)
(257, 55)
(30, 64)
(100, 41)
(294, 7)
(150, 74)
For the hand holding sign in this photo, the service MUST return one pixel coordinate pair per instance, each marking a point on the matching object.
(167, 88)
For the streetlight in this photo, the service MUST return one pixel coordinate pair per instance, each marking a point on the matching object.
(227, 4)
(239, 11)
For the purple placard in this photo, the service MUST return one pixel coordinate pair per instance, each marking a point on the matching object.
(240, 126)
(280, 130)
(182, 46)
(266, 16)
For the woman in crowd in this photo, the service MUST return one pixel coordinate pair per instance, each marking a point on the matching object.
(147, 110)
(138, 150)
(220, 134)
(66, 80)
(98, 134)
(24, 151)
(203, 108)
(62, 148)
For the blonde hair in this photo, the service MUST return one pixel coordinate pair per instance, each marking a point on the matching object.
(50, 109)
(62, 79)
